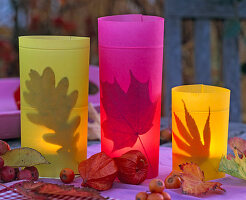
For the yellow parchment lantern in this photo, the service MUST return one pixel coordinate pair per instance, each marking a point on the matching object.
(54, 76)
(200, 116)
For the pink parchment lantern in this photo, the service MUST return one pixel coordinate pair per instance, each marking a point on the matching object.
(130, 61)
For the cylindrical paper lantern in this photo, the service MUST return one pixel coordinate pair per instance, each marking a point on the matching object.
(200, 116)
(54, 73)
(130, 62)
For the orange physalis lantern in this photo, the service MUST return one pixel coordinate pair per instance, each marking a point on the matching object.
(200, 116)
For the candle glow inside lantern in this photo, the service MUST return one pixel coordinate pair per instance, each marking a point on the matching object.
(130, 62)
(54, 73)
(200, 116)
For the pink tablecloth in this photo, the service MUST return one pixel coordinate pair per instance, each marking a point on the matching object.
(235, 188)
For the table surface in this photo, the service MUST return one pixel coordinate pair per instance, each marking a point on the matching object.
(236, 188)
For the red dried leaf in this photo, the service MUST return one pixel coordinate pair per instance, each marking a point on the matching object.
(30, 194)
(67, 190)
(41, 190)
(239, 144)
(20, 190)
(98, 172)
(30, 185)
(193, 180)
(127, 119)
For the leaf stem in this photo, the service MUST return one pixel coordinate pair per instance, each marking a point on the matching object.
(145, 153)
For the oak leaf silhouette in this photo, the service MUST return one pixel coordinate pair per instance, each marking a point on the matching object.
(193, 144)
(53, 107)
(129, 114)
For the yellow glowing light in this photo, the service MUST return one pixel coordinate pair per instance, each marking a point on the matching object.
(54, 75)
(200, 115)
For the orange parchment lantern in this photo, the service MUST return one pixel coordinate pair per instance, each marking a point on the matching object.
(200, 116)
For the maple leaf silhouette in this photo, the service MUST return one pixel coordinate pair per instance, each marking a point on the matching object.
(193, 144)
(53, 107)
(129, 114)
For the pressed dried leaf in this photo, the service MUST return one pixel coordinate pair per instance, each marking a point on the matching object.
(23, 157)
(191, 124)
(193, 186)
(235, 166)
(131, 119)
(31, 185)
(30, 194)
(193, 144)
(52, 108)
(98, 172)
(182, 130)
(182, 145)
(41, 190)
(67, 190)
(239, 144)
(193, 169)
(193, 180)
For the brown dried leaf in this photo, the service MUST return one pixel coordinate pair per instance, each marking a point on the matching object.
(52, 106)
(194, 169)
(31, 185)
(193, 180)
(191, 141)
(239, 144)
(67, 190)
(41, 190)
(193, 186)
(30, 194)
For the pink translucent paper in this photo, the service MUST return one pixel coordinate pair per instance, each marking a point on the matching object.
(130, 61)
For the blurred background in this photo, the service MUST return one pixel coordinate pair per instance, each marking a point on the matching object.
(79, 17)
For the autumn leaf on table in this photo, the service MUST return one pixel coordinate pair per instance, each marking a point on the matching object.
(30, 194)
(193, 144)
(129, 114)
(193, 180)
(23, 157)
(52, 107)
(239, 144)
(41, 190)
(235, 165)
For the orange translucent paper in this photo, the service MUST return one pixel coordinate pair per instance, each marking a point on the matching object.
(200, 116)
